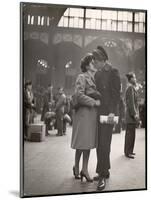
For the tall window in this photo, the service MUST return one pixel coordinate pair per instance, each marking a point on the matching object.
(39, 20)
(73, 17)
(93, 19)
(96, 19)
(125, 21)
(111, 20)
(139, 25)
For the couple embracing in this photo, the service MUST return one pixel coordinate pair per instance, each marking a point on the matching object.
(97, 92)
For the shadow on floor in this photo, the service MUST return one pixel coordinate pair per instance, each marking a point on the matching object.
(14, 193)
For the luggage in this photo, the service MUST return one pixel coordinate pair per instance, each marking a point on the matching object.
(36, 132)
(49, 115)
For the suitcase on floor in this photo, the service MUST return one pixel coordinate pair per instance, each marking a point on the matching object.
(36, 132)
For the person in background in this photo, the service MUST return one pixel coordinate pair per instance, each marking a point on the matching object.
(84, 133)
(142, 113)
(47, 105)
(47, 100)
(121, 121)
(132, 115)
(108, 83)
(60, 111)
(66, 118)
(29, 106)
(39, 98)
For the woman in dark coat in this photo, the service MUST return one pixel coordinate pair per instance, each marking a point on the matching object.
(84, 135)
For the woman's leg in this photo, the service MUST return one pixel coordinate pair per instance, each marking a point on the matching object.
(77, 160)
(84, 172)
(86, 155)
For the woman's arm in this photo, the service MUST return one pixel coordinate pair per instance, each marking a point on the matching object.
(80, 88)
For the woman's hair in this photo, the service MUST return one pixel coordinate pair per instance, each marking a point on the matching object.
(86, 61)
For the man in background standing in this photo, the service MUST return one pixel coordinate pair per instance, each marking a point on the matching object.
(60, 110)
(29, 107)
(132, 115)
(47, 105)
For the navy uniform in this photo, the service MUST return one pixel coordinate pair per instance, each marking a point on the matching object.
(108, 84)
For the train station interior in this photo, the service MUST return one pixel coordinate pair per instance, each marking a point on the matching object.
(55, 38)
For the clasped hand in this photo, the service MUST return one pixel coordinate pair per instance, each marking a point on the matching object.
(97, 102)
(111, 118)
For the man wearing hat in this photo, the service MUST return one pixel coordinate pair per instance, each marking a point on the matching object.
(108, 84)
(29, 107)
(132, 115)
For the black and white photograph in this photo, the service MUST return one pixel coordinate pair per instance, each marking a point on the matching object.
(83, 95)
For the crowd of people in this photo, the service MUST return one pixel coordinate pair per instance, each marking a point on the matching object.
(55, 110)
(97, 93)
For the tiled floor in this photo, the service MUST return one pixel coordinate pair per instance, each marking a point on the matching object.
(48, 166)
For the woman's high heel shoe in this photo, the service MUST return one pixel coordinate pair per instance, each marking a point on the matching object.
(75, 175)
(88, 179)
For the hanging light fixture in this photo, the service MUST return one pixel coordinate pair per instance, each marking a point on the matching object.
(110, 44)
